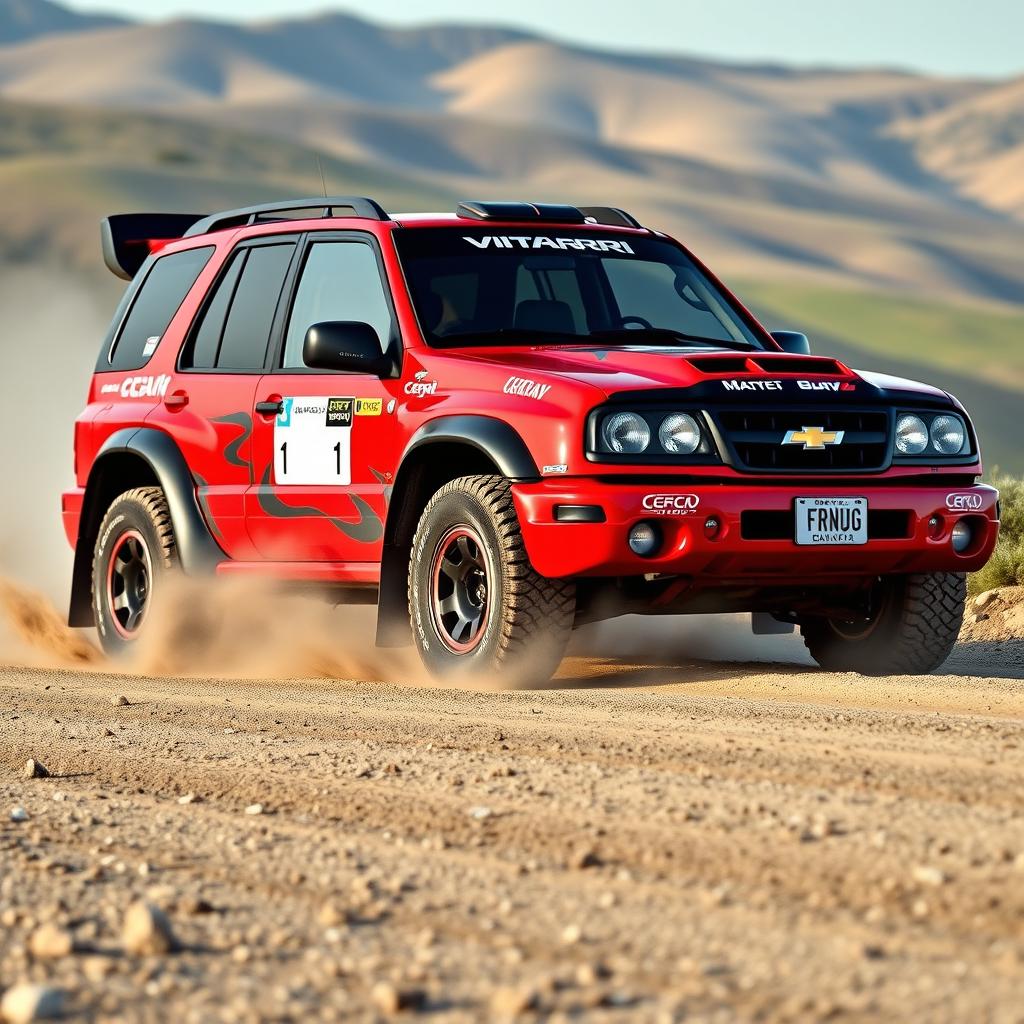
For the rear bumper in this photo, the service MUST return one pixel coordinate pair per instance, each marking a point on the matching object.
(918, 541)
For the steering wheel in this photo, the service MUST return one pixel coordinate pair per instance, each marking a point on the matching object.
(646, 324)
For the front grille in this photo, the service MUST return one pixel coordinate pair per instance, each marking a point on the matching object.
(755, 436)
(883, 524)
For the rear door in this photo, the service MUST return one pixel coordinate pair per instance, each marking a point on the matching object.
(221, 362)
(325, 444)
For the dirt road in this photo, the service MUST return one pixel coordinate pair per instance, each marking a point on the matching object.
(644, 842)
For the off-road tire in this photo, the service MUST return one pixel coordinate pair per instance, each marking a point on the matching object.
(913, 632)
(529, 618)
(143, 513)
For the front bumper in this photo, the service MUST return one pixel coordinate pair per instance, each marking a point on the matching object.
(737, 551)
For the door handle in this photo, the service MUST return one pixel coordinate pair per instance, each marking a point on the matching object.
(176, 400)
(271, 407)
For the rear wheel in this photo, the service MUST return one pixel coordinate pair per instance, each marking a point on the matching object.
(911, 630)
(477, 605)
(134, 553)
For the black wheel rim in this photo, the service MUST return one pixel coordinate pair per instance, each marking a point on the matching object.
(129, 583)
(460, 590)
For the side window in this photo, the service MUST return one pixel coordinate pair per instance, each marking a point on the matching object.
(243, 342)
(162, 292)
(205, 341)
(340, 281)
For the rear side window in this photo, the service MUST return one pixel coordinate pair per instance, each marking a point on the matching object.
(159, 297)
(234, 329)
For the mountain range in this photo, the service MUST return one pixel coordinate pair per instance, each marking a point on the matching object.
(894, 197)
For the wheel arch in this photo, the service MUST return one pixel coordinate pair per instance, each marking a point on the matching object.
(440, 451)
(139, 457)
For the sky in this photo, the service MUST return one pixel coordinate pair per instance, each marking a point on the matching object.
(957, 37)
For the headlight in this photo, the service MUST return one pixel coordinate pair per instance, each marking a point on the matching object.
(679, 434)
(626, 433)
(948, 434)
(911, 435)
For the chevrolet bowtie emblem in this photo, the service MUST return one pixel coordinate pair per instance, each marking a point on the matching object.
(813, 437)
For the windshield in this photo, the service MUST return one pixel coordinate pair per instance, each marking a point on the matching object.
(474, 286)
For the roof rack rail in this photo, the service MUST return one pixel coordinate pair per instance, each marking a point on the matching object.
(610, 215)
(476, 210)
(563, 214)
(360, 206)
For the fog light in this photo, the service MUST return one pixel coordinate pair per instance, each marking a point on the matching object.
(935, 527)
(711, 527)
(644, 539)
(961, 536)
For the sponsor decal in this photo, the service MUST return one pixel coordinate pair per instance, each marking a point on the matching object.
(561, 468)
(420, 387)
(110, 389)
(313, 441)
(964, 502)
(814, 437)
(546, 242)
(150, 347)
(525, 388)
(145, 387)
(833, 386)
(671, 504)
(752, 385)
(339, 412)
(369, 406)
(825, 385)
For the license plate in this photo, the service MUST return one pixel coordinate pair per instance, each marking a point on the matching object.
(831, 522)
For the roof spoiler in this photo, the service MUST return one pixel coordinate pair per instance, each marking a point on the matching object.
(129, 238)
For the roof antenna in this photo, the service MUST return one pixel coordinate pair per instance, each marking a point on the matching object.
(320, 168)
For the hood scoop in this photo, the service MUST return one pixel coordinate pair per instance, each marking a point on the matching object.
(769, 365)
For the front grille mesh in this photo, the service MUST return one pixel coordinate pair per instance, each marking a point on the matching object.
(756, 437)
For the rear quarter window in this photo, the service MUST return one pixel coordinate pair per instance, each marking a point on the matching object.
(152, 306)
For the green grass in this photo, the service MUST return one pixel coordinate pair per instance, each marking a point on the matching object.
(977, 340)
(1006, 567)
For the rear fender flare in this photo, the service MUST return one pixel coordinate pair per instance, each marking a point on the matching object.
(198, 552)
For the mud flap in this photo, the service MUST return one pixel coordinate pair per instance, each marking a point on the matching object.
(766, 624)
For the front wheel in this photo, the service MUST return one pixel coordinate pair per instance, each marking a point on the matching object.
(134, 553)
(477, 606)
(913, 625)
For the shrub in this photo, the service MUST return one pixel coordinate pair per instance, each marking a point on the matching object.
(1006, 567)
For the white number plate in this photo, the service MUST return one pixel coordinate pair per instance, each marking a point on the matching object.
(831, 521)
(313, 441)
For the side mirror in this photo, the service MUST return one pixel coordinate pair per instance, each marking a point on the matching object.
(347, 345)
(793, 342)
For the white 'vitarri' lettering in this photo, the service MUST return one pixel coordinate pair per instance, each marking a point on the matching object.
(546, 242)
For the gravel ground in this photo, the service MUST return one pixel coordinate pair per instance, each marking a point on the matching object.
(650, 842)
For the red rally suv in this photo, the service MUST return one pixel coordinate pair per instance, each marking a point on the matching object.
(499, 424)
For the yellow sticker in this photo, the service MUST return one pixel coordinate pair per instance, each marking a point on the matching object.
(369, 406)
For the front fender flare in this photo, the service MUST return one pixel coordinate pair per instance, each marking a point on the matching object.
(494, 437)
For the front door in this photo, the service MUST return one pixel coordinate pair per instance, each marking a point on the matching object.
(325, 443)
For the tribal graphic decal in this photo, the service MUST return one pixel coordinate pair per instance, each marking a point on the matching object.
(231, 451)
(368, 529)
